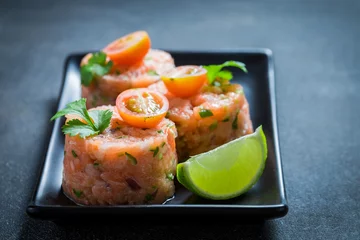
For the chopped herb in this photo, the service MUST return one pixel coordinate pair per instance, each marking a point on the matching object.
(64, 152)
(78, 193)
(160, 156)
(96, 66)
(172, 79)
(235, 123)
(163, 144)
(123, 136)
(96, 164)
(226, 119)
(167, 114)
(160, 131)
(213, 126)
(155, 151)
(74, 154)
(205, 113)
(215, 72)
(117, 72)
(170, 176)
(131, 158)
(96, 120)
(149, 197)
(152, 73)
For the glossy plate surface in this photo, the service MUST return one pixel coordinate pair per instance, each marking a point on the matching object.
(267, 199)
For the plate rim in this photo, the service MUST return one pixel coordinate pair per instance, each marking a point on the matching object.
(278, 210)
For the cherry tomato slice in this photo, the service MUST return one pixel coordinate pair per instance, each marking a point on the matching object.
(141, 107)
(185, 81)
(129, 49)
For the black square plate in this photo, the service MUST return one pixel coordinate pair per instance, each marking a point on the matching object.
(267, 199)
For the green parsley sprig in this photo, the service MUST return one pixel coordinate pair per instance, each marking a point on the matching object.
(96, 121)
(95, 67)
(216, 75)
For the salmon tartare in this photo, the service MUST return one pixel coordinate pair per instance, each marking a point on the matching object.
(208, 116)
(109, 77)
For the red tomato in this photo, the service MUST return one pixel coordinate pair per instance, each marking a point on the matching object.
(141, 107)
(129, 49)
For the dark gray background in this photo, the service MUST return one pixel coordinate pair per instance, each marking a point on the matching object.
(316, 49)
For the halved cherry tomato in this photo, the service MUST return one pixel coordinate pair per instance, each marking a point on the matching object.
(129, 49)
(185, 81)
(141, 107)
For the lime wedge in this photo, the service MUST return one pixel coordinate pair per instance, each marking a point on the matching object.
(228, 170)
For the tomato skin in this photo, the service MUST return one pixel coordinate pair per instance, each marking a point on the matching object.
(129, 49)
(184, 85)
(138, 119)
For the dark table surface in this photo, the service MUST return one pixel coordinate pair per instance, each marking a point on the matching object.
(316, 51)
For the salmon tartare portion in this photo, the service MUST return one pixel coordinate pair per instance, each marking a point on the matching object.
(207, 119)
(121, 165)
(104, 89)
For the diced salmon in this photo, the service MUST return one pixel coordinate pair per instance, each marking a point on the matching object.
(105, 89)
(226, 118)
(122, 165)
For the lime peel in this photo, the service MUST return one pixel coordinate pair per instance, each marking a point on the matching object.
(227, 171)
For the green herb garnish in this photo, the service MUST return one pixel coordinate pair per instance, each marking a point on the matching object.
(149, 197)
(213, 126)
(96, 164)
(163, 144)
(152, 73)
(235, 123)
(215, 71)
(160, 131)
(74, 154)
(226, 119)
(78, 193)
(205, 113)
(155, 151)
(96, 66)
(96, 121)
(170, 176)
(131, 158)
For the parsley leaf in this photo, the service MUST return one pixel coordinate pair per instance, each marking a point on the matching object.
(152, 73)
(74, 154)
(75, 127)
(77, 193)
(96, 66)
(170, 176)
(101, 118)
(131, 158)
(205, 113)
(235, 123)
(95, 121)
(155, 151)
(213, 126)
(215, 71)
